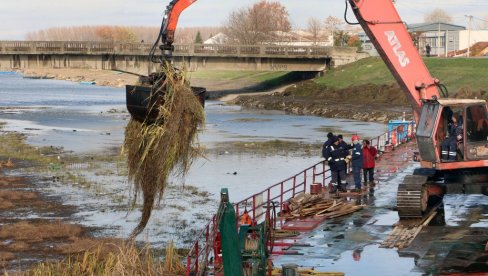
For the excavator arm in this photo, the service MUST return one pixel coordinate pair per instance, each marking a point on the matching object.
(381, 22)
(168, 27)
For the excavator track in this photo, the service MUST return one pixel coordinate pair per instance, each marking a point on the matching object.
(412, 197)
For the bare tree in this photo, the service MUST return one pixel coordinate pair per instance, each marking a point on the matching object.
(314, 28)
(262, 22)
(333, 24)
(438, 15)
(117, 33)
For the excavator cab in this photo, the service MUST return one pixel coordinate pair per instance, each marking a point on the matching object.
(451, 131)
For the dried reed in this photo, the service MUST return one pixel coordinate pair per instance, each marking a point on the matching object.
(126, 259)
(167, 145)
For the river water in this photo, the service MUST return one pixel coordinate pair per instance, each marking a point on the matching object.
(81, 119)
(88, 120)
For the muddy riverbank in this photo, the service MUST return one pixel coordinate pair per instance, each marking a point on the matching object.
(371, 103)
(37, 226)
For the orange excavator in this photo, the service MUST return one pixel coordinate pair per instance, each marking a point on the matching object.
(463, 169)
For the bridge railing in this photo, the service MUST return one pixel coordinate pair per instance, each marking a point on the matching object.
(95, 47)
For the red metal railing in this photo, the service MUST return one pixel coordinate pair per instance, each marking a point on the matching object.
(257, 204)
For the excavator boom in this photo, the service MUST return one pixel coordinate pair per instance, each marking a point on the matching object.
(172, 14)
(381, 22)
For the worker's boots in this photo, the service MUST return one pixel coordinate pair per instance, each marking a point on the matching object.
(332, 188)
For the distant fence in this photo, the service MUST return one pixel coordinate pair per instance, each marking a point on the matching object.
(257, 204)
(87, 47)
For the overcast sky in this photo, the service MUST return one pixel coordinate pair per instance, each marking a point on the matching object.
(21, 16)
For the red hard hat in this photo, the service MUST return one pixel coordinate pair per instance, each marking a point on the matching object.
(355, 137)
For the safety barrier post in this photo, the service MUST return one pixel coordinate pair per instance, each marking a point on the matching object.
(254, 207)
(323, 173)
(294, 186)
(207, 232)
(313, 175)
(281, 194)
(304, 181)
(188, 265)
(269, 194)
(196, 256)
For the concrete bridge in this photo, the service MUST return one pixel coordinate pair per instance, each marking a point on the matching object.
(134, 57)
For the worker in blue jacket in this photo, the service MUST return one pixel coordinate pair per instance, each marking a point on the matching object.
(327, 143)
(335, 156)
(357, 162)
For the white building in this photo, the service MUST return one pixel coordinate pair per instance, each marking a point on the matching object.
(443, 38)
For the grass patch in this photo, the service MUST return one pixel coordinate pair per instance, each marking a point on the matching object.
(370, 70)
(455, 73)
(13, 145)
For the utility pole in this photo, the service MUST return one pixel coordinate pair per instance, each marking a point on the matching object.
(447, 37)
(438, 39)
(469, 31)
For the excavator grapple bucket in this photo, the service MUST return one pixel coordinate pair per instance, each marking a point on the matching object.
(143, 102)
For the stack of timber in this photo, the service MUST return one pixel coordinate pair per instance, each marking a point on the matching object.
(283, 234)
(403, 234)
(307, 205)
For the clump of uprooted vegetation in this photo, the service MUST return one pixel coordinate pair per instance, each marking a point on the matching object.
(167, 145)
(126, 259)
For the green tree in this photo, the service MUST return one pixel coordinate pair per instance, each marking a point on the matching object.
(198, 38)
(341, 38)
